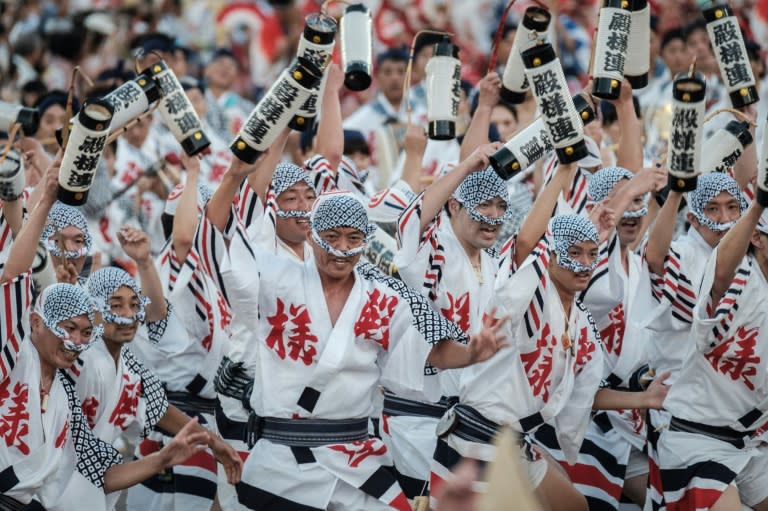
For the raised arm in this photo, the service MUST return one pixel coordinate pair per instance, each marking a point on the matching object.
(262, 177)
(662, 232)
(330, 134)
(745, 168)
(629, 153)
(732, 248)
(22, 252)
(415, 145)
(136, 245)
(13, 211)
(186, 217)
(537, 220)
(646, 180)
(477, 133)
(220, 205)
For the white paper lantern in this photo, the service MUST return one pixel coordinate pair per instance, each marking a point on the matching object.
(611, 44)
(531, 30)
(761, 194)
(443, 75)
(132, 99)
(177, 111)
(10, 114)
(532, 143)
(562, 120)
(685, 133)
(639, 52)
(11, 176)
(731, 54)
(275, 110)
(83, 152)
(725, 147)
(43, 274)
(357, 47)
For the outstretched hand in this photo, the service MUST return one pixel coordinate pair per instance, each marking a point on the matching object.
(187, 442)
(228, 457)
(604, 219)
(657, 391)
(135, 243)
(487, 342)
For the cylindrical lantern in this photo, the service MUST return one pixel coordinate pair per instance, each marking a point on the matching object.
(443, 75)
(132, 99)
(43, 274)
(275, 110)
(731, 54)
(11, 176)
(530, 144)
(761, 194)
(530, 31)
(687, 126)
(639, 52)
(177, 111)
(562, 121)
(10, 114)
(83, 152)
(725, 147)
(356, 47)
(611, 44)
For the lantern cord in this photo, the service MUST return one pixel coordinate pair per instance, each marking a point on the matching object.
(409, 68)
(737, 113)
(324, 6)
(11, 136)
(692, 68)
(497, 37)
(114, 135)
(140, 55)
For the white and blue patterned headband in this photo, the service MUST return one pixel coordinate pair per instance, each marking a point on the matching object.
(339, 209)
(602, 183)
(480, 187)
(60, 217)
(567, 230)
(60, 302)
(103, 283)
(708, 187)
(285, 176)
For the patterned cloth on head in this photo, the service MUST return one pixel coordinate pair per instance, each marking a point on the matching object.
(60, 302)
(339, 209)
(204, 194)
(60, 217)
(762, 224)
(566, 231)
(480, 187)
(285, 176)
(103, 283)
(602, 183)
(708, 187)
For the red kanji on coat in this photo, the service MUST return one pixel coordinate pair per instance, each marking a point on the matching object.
(128, 404)
(14, 420)
(62, 436)
(613, 334)
(538, 363)
(585, 350)
(736, 357)
(301, 340)
(373, 322)
(361, 450)
(458, 310)
(90, 406)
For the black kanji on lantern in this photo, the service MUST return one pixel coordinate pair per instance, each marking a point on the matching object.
(286, 93)
(553, 106)
(93, 145)
(124, 96)
(532, 150)
(166, 83)
(256, 129)
(545, 83)
(86, 161)
(683, 140)
(186, 122)
(176, 103)
(730, 53)
(736, 74)
(724, 33)
(614, 62)
(620, 22)
(561, 129)
(618, 41)
(685, 118)
(271, 110)
(79, 179)
(682, 162)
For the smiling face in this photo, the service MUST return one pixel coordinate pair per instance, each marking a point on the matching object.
(723, 208)
(476, 234)
(51, 348)
(297, 197)
(629, 228)
(584, 253)
(340, 238)
(124, 303)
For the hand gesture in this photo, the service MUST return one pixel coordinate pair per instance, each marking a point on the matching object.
(51, 183)
(415, 140)
(66, 272)
(335, 80)
(479, 159)
(240, 169)
(650, 179)
(484, 344)
(625, 95)
(135, 243)
(186, 443)
(490, 88)
(457, 493)
(228, 457)
(604, 219)
(656, 392)
(191, 164)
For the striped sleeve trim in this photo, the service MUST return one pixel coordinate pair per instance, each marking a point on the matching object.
(16, 296)
(728, 305)
(324, 177)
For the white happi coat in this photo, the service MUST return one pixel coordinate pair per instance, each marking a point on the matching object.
(382, 337)
(538, 373)
(40, 453)
(575, 199)
(667, 302)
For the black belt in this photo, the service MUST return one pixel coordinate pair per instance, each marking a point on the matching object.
(233, 381)
(471, 425)
(10, 504)
(228, 428)
(396, 405)
(190, 403)
(305, 432)
(722, 433)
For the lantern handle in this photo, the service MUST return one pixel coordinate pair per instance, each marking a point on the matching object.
(70, 100)
(497, 37)
(324, 6)
(692, 68)
(11, 136)
(409, 68)
(741, 115)
(113, 136)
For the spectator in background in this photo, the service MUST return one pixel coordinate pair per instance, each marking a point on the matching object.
(227, 110)
(422, 52)
(52, 108)
(28, 57)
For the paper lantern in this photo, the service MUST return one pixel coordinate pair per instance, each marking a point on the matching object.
(561, 119)
(177, 111)
(639, 51)
(761, 195)
(357, 47)
(43, 274)
(84, 147)
(132, 99)
(611, 45)
(725, 147)
(10, 114)
(11, 176)
(530, 31)
(686, 128)
(443, 75)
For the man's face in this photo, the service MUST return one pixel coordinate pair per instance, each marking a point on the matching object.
(698, 45)
(222, 72)
(583, 252)
(505, 122)
(297, 197)
(723, 208)
(137, 133)
(390, 76)
(51, 348)
(52, 119)
(124, 303)
(478, 235)
(340, 238)
(676, 56)
(629, 228)
(71, 239)
(197, 99)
